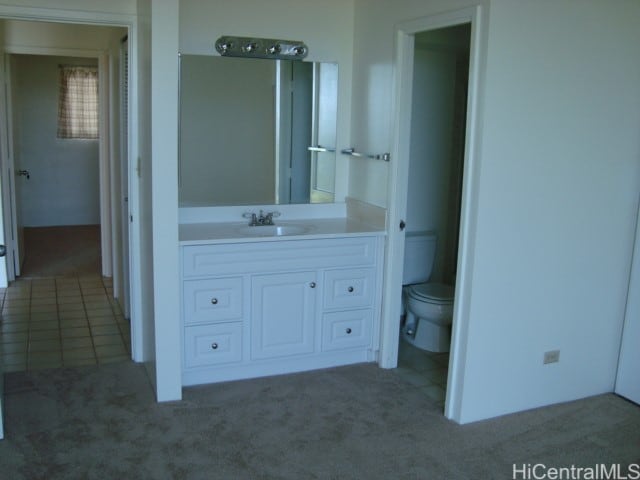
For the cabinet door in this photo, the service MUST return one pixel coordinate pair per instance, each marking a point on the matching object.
(282, 314)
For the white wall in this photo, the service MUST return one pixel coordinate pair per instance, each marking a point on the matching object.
(373, 77)
(434, 75)
(24, 35)
(560, 175)
(124, 7)
(558, 185)
(63, 188)
(164, 198)
(326, 27)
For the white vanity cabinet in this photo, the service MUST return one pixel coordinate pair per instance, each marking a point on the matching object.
(255, 308)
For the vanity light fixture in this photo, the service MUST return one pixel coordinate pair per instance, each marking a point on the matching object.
(228, 46)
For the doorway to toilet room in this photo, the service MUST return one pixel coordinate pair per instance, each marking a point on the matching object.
(434, 196)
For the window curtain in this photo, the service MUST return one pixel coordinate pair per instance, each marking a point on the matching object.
(78, 102)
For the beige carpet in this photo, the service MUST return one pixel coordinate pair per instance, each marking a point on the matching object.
(356, 422)
(61, 251)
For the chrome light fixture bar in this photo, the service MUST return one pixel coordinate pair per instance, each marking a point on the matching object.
(248, 47)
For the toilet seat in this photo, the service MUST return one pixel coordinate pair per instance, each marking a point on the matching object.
(436, 293)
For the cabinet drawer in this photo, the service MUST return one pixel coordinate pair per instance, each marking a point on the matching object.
(212, 344)
(280, 256)
(214, 300)
(349, 288)
(346, 329)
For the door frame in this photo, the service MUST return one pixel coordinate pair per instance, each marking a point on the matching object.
(396, 190)
(9, 12)
(628, 374)
(8, 180)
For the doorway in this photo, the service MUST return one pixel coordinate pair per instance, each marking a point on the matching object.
(57, 211)
(434, 191)
(61, 311)
(398, 181)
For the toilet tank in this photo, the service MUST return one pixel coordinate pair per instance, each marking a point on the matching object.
(419, 255)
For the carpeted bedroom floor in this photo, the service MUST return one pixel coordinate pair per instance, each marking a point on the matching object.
(356, 422)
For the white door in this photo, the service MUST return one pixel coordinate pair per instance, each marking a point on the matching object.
(628, 379)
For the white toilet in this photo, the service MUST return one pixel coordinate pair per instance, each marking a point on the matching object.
(428, 306)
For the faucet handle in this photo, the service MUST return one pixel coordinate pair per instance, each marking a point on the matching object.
(254, 219)
(268, 219)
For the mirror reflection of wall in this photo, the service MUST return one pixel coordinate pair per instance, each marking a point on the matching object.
(246, 126)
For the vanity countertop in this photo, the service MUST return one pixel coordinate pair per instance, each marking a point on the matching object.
(240, 232)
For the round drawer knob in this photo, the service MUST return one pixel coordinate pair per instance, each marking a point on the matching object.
(350, 289)
(214, 346)
(214, 301)
(312, 284)
(348, 331)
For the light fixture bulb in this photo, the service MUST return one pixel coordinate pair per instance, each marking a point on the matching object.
(249, 47)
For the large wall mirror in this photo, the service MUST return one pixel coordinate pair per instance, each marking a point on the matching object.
(256, 131)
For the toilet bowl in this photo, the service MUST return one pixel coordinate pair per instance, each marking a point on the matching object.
(428, 306)
(429, 312)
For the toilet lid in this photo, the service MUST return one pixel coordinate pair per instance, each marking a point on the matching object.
(433, 292)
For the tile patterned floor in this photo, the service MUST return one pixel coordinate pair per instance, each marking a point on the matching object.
(425, 370)
(62, 321)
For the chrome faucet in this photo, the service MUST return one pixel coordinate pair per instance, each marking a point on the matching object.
(261, 219)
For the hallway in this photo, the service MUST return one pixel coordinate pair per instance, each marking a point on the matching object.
(61, 311)
(62, 321)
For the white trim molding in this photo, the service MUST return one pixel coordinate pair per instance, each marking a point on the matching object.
(397, 182)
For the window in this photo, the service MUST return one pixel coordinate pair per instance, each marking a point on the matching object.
(78, 102)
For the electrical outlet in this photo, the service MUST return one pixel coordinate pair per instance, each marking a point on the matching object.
(552, 356)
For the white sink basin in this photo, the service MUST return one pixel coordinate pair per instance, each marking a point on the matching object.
(271, 230)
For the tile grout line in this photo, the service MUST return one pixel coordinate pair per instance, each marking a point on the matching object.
(115, 317)
(86, 312)
(55, 289)
(28, 353)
